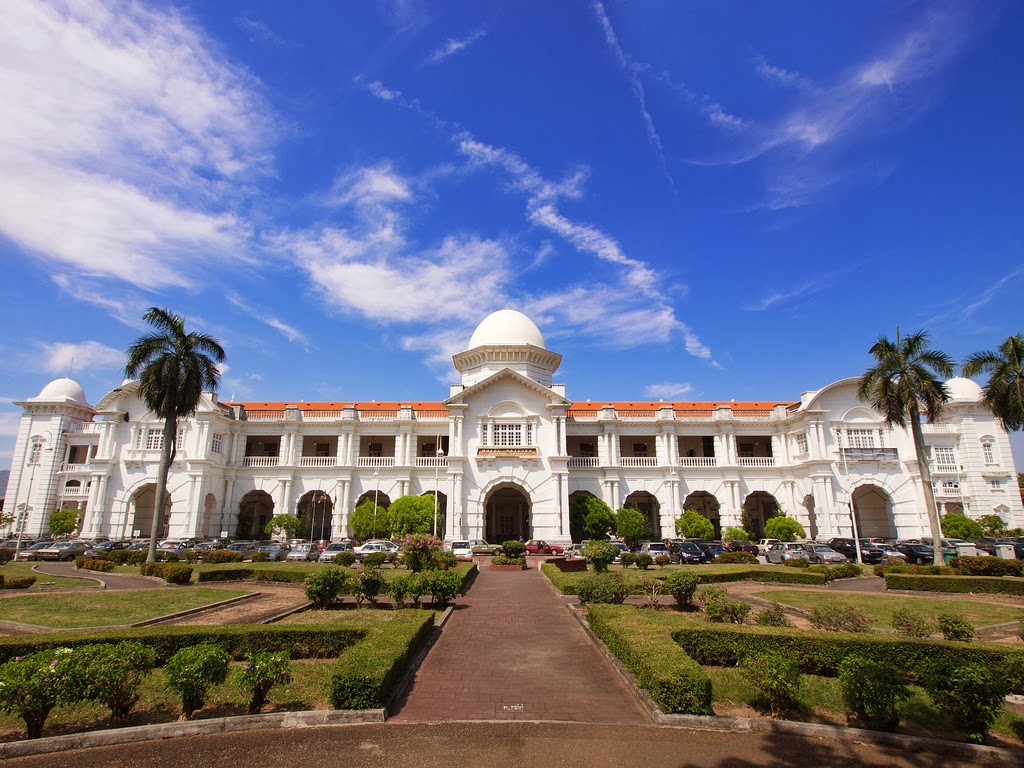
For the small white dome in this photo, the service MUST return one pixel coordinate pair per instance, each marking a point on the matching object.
(506, 326)
(63, 390)
(961, 390)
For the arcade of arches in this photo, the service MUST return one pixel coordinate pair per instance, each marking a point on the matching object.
(707, 505)
(254, 512)
(651, 509)
(758, 508)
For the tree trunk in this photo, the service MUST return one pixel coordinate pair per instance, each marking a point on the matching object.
(166, 457)
(926, 481)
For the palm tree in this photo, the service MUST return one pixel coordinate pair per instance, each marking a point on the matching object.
(901, 381)
(1004, 392)
(174, 369)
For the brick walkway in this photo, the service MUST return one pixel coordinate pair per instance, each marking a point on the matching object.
(511, 651)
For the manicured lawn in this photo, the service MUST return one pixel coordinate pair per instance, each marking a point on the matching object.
(880, 608)
(43, 581)
(388, 571)
(565, 582)
(101, 609)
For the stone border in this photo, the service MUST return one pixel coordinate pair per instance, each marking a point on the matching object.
(412, 667)
(814, 730)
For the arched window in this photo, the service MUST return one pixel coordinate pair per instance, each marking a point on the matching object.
(988, 450)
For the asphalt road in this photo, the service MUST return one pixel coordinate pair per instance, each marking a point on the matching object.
(508, 745)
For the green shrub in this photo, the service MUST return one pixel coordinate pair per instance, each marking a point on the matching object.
(776, 679)
(219, 556)
(506, 560)
(420, 551)
(600, 554)
(33, 685)
(784, 529)
(447, 560)
(772, 616)
(95, 564)
(872, 692)
(112, 674)
(651, 590)
(512, 548)
(375, 560)
(719, 608)
(260, 673)
(119, 556)
(643, 561)
(662, 560)
(191, 671)
(733, 533)
(602, 588)
(366, 585)
(797, 562)
(987, 566)
(681, 585)
(324, 586)
(172, 557)
(260, 557)
(968, 694)
(838, 617)
(345, 559)
(928, 570)
(172, 573)
(627, 559)
(6, 555)
(18, 582)
(955, 627)
(911, 623)
(402, 588)
(962, 584)
(739, 558)
(675, 681)
(442, 586)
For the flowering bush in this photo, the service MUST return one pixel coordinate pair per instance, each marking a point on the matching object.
(112, 674)
(30, 686)
(260, 673)
(191, 671)
(367, 584)
(600, 554)
(419, 552)
(323, 587)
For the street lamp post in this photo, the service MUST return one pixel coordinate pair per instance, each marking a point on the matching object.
(376, 494)
(437, 469)
(35, 454)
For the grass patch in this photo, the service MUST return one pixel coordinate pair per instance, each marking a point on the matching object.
(879, 608)
(101, 609)
(709, 574)
(43, 581)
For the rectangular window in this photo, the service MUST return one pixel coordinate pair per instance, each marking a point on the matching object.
(860, 438)
(36, 452)
(587, 450)
(996, 486)
(944, 456)
(217, 443)
(428, 449)
(745, 450)
(801, 443)
(375, 449)
(321, 449)
(508, 434)
(988, 452)
(639, 449)
(154, 439)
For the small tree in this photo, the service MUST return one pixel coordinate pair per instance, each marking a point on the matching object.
(368, 521)
(31, 686)
(600, 554)
(191, 671)
(631, 525)
(590, 518)
(113, 674)
(420, 551)
(410, 514)
(693, 525)
(957, 525)
(991, 525)
(784, 529)
(63, 522)
(260, 673)
(283, 524)
(735, 533)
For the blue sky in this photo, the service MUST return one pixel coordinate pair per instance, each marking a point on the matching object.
(693, 200)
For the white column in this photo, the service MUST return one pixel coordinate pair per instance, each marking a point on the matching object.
(226, 506)
(346, 505)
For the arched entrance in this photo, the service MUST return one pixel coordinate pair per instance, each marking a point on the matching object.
(648, 504)
(507, 514)
(873, 509)
(315, 511)
(254, 512)
(812, 518)
(759, 507)
(206, 525)
(381, 499)
(707, 505)
(442, 509)
(143, 501)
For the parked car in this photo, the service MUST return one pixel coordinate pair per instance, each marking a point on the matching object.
(177, 546)
(539, 547)
(619, 545)
(276, 551)
(67, 549)
(889, 551)
(917, 553)
(868, 551)
(712, 551)
(295, 542)
(481, 547)
(688, 553)
(105, 547)
(763, 545)
(948, 550)
(334, 548)
(824, 554)
(303, 553)
(139, 544)
(30, 550)
(576, 550)
(741, 545)
(462, 548)
(246, 548)
(370, 548)
(654, 549)
(785, 550)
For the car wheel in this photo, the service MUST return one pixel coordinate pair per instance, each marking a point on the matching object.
(497, 551)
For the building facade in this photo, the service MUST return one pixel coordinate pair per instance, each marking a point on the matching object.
(505, 454)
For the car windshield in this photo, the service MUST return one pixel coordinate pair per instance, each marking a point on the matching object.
(689, 547)
(460, 545)
(822, 549)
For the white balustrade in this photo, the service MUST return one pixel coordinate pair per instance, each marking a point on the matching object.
(697, 461)
(320, 415)
(261, 461)
(264, 415)
(318, 461)
(432, 461)
(375, 461)
(756, 461)
(583, 462)
(638, 461)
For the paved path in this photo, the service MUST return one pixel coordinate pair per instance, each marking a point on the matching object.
(112, 580)
(511, 651)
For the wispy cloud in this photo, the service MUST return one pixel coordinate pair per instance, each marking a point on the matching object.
(125, 308)
(668, 390)
(291, 333)
(259, 32)
(778, 75)
(963, 307)
(784, 297)
(69, 358)
(454, 45)
(712, 111)
(121, 146)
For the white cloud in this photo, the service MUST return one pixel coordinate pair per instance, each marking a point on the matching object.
(126, 309)
(453, 45)
(668, 390)
(374, 187)
(67, 358)
(258, 31)
(117, 142)
(784, 297)
(778, 75)
(289, 332)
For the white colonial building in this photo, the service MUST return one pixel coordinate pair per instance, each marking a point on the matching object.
(505, 453)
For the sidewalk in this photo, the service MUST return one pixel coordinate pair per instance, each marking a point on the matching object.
(511, 651)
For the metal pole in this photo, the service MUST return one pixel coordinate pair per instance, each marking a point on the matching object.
(849, 499)
(33, 461)
(437, 469)
(376, 493)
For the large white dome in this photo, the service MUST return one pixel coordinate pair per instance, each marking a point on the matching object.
(62, 391)
(506, 326)
(963, 390)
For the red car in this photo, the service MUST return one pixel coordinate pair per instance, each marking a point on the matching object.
(742, 546)
(538, 547)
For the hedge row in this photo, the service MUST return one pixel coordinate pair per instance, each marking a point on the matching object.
(819, 652)
(253, 573)
(172, 573)
(1005, 585)
(566, 582)
(18, 582)
(366, 675)
(674, 680)
(303, 642)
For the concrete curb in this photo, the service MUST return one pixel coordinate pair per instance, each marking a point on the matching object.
(413, 665)
(190, 611)
(814, 730)
(189, 728)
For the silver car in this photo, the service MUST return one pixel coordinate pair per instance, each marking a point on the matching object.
(303, 553)
(824, 554)
(783, 551)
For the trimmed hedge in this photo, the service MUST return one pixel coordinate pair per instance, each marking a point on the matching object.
(1005, 585)
(366, 674)
(94, 564)
(674, 680)
(820, 653)
(253, 574)
(239, 640)
(171, 572)
(566, 582)
(18, 582)
(930, 570)
(988, 566)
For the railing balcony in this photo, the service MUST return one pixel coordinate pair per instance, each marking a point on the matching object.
(432, 461)
(378, 415)
(637, 415)
(697, 461)
(638, 461)
(755, 461)
(264, 415)
(84, 427)
(76, 491)
(325, 415)
(752, 415)
(870, 454)
(261, 461)
(582, 415)
(375, 461)
(431, 415)
(583, 462)
(695, 415)
(949, 490)
(945, 469)
(318, 461)
(72, 468)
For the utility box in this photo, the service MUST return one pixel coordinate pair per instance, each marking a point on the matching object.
(1005, 551)
(966, 550)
